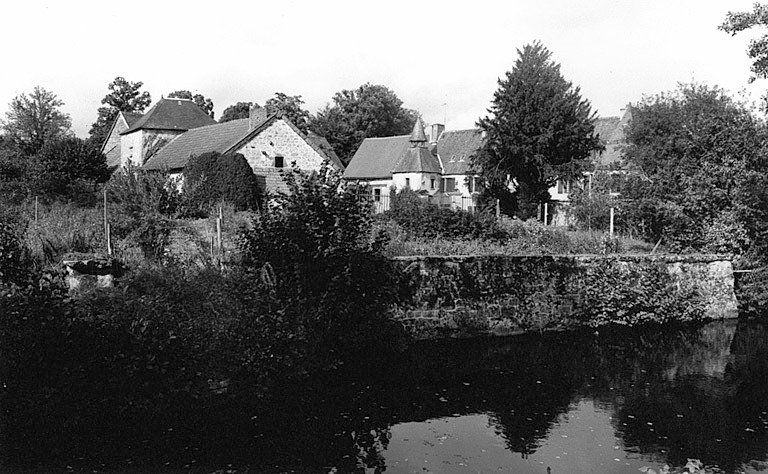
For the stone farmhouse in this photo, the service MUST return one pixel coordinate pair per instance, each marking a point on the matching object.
(173, 130)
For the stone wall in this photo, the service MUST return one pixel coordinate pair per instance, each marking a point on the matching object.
(280, 139)
(500, 295)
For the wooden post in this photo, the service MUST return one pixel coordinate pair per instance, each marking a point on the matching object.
(35, 210)
(109, 240)
(498, 209)
(610, 232)
(546, 212)
(218, 232)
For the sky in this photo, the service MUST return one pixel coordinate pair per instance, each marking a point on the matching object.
(442, 59)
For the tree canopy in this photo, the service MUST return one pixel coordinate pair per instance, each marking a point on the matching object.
(123, 96)
(539, 129)
(237, 111)
(699, 166)
(736, 22)
(369, 111)
(290, 106)
(34, 119)
(205, 104)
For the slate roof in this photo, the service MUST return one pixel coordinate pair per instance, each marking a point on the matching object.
(217, 137)
(611, 131)
(172, 114)
(377, 157)
(321, 145)
(456, 147)
(417, 158)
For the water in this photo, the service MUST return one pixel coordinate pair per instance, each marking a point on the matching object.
(593, 403)
(607, 402)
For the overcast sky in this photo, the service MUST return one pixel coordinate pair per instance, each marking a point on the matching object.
(441, 58)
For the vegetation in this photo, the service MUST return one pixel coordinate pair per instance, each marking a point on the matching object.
(290, 107)
(123, 96)
(539, 129)
(239, 110)
(213, 177)
(34, 119)
(371, 110)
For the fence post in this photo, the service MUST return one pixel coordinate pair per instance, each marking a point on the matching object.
(109, 239)
(498, 209)
(35, 210)
(218, 231)
(546, 212)
(610, 232)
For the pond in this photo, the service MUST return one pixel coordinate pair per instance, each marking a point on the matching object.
(610, 401)
(580, 402)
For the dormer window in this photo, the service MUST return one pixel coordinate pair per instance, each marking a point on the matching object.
(279, 162)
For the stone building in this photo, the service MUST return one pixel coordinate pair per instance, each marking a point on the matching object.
(269, 142)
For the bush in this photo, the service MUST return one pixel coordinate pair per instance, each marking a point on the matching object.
(140, 206)
(213, 177)
(422, 219)
(13, 254)
(313, 245)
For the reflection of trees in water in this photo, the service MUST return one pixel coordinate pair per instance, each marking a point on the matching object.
(701, 397)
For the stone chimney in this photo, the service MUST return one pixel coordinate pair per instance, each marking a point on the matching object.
(256, 115)
(434, 134)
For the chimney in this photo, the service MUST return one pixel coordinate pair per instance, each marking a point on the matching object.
(256, 115)
(434, 134)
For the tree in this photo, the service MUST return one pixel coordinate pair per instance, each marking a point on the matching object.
(34, 119)
(123, 96)
(206, 105)
(539, 129)
(235, 112)
(368, 111)
(64, 164)
(697, 155)
(291, 108)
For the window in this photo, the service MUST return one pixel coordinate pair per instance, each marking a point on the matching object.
(407, 182)
(449, 185)
(563, 186)
(432, 182)
(377, 195)
(279, 161)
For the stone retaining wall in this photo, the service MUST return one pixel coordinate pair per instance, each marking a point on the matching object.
(471, 295)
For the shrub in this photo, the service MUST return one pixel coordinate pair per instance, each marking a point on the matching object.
(13, 254)
(314, 244)
(212, 177)
(422, 219)
(140, 204)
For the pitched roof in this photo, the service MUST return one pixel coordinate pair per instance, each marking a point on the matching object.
(377, 157)
(456, 147)
(417, 160)
(611, 131)
(217, 137)
(321, 145)
(172, 114)
(131, 117)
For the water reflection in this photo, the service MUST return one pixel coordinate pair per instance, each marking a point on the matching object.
(574, 402)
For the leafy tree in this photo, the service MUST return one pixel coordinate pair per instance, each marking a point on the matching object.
(697, 156)
(123, 96)
(539, 129)
(291, 108)
(368, 111)
(236, 111)
(206, 105)
(64, 163)
(736, 22)
(34, 119)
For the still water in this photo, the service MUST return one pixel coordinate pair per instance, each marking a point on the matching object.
(581, 402)
(608, 402)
